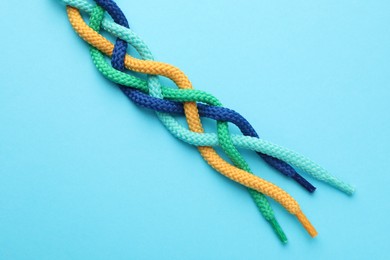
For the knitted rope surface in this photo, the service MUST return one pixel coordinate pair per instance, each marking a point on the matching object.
(150, 94)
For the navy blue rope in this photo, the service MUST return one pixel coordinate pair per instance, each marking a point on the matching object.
(168, 106)
(119, 53)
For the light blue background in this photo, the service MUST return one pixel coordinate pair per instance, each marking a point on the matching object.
(85, 174)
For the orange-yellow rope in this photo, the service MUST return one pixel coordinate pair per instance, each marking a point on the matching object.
(193, 119)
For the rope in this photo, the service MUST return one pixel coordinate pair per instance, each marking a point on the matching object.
(166, 106)
(119, 57)
(217, 113)
(206, 139)
(208, 153)
(259, 199)
(154, 99)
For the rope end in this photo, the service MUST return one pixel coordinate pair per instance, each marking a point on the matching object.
(303, 182)
(306, 224)
(278, 230)
(349, 190)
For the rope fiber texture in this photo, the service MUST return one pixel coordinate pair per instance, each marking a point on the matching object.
(152, 96)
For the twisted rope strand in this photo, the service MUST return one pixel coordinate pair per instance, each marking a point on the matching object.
(208, 153)
(210, 139)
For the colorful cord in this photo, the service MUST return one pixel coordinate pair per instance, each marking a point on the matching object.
(187, 101)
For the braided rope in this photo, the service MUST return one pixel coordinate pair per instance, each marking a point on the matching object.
(166, 106)
(213, 112)
(205, 139)
(195, 135)
(208, 153)
(119, 55)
